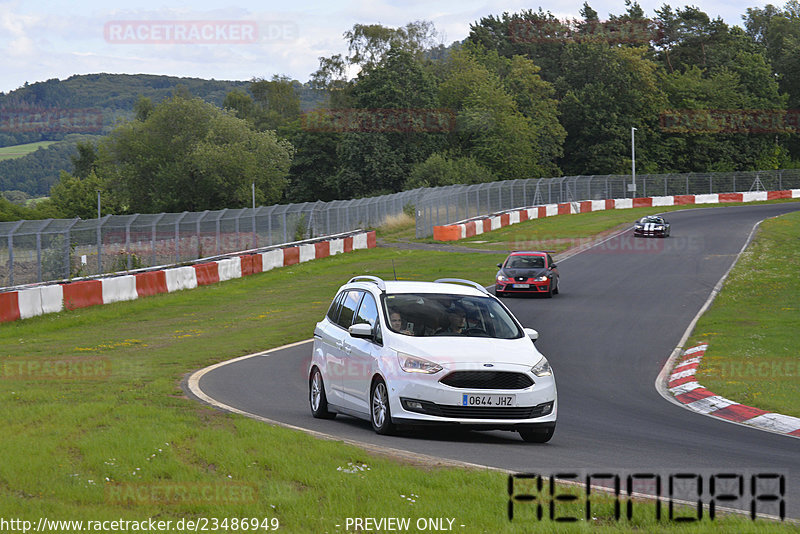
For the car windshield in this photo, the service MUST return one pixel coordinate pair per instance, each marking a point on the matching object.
(427, 314)
(658, 220)
(525, 262)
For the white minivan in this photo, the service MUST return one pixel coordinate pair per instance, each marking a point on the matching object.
(442, 353)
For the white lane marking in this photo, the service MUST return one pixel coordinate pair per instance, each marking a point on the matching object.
(193, 383)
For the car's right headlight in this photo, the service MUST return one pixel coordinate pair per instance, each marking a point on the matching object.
(414, 364)
(542, 368)
(501, 278)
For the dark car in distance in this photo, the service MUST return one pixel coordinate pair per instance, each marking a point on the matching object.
(527, 272)
(651, 226)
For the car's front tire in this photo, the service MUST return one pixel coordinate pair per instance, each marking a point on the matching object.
(316, 397)
(379, 413)
(537, 435)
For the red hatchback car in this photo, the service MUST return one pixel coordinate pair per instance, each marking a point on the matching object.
(527, 272)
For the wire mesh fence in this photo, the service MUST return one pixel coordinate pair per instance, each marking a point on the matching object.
(56, 249)
(446, 205)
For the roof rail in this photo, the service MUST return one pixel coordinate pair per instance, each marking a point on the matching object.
(476, 285)
(366, 278)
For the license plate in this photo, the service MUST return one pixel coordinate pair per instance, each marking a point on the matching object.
(522, 286)
(495, 401)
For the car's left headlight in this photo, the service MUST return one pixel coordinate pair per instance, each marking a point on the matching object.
(540, 279)
(501, 278)
(542, 368)
(659, 227)
(414, 364)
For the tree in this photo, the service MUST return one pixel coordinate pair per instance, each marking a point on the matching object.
(277, 100)
(379, 159)
(440, 170)
(490, 125)
(189, 155)
(606, 91)
(74, 196)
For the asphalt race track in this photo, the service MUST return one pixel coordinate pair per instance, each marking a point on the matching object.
(623, 308)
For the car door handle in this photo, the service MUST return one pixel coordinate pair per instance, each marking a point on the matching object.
(339, 344)
(348, 348)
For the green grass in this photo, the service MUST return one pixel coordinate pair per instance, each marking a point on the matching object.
(71, 447)
(17, 151)
(97, 449)
(752, 325)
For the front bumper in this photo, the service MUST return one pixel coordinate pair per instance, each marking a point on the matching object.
(422, 399)
(649, 233)
(533, 287)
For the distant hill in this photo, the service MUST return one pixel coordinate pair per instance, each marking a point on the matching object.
(113, 95)
(105, 97)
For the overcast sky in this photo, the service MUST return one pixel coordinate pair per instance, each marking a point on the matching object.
(240, 39)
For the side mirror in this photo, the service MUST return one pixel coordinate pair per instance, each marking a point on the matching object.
(362, 330)
(531, 333)
(552, 265)
(500, 265)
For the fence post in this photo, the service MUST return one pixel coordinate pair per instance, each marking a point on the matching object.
(128, 243)
(99, 248)
(177, 237)
(153, 238)
(11, 252)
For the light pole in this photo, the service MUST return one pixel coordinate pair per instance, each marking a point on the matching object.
(633, 161)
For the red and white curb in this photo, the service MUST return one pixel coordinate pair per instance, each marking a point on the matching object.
(481, 225)
(52, 298)
(683, 384)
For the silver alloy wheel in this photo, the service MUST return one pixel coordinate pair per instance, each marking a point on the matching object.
(316, 391)
(379, 405)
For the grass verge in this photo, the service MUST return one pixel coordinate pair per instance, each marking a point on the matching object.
(122, 442)
(752, 325)
(17, 151)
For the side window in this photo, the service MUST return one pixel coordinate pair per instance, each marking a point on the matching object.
(349, 305)
(333, 311)
(368, 311)
(549, 261)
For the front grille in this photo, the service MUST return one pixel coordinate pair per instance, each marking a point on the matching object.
(478, 412)
(487, 380)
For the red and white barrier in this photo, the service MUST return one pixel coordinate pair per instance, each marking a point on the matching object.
(180, 278)
(473, 227)
(39, 300)
(119, 288)
(271, 260)
(687, 390)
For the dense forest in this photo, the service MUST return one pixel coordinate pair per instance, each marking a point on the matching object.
(525, 95)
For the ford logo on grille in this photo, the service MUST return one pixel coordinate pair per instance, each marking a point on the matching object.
(488, 365)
